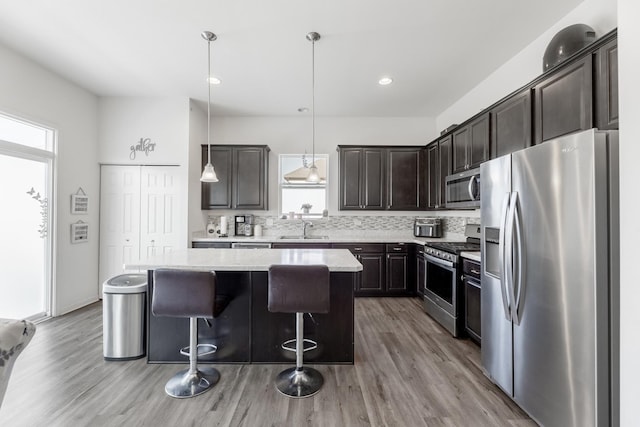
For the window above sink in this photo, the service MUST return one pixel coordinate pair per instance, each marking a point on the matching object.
(296, 193)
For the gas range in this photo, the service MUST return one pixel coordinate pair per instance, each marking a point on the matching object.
(451, 250)
(443, 292)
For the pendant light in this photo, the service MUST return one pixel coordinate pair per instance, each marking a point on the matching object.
(313, 176)
(209, 174)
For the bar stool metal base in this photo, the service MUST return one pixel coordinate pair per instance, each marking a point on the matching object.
(299, 382)
(186, 383)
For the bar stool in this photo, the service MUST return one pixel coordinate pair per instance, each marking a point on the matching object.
(299, 289)
(192, 294)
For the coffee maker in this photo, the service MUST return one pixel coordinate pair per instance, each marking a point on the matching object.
(244, 225)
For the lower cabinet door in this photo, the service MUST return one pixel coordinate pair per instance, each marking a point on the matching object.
(397, 270)
(373, 277)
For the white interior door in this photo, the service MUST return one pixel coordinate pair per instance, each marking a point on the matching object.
(160, 210)
(119, 218)
(139, 215)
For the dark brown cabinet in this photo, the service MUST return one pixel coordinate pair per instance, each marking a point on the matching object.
(405, 178)
(470, 144)
(381, 178)
(362, 172)
(387, 269)
(397, 268)
(607, 86)
(438, 168)
(511, 125)
(372, 274)
(563, 101)
(371, 256)
(242, 172)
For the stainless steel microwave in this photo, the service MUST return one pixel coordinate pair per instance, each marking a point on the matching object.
(462, 190)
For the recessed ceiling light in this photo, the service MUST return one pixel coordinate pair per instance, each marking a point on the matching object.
(214, 80)
(303, 110)
(385, 81)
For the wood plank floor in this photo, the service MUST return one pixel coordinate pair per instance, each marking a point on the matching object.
(408, 372)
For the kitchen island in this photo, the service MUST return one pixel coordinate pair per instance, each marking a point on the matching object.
(246, 332)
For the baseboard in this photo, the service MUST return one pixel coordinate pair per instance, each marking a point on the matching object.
(77, 306)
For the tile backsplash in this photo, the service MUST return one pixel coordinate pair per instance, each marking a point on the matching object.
(272, 225)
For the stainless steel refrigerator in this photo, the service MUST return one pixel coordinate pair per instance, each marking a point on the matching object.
(550, 276)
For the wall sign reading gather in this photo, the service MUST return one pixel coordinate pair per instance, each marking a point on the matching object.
(145, 145)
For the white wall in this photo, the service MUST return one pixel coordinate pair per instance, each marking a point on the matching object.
(123, 121)
(30, 91)
(629, 70)
(601, 15)
(197, 137)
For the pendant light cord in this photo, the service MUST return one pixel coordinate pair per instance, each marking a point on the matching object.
(209, 102)
(313, 102)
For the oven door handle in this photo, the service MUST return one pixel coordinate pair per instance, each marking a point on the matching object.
(440, 262)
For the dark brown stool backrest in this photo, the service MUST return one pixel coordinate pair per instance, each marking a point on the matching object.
(185, 293)
(299, 288)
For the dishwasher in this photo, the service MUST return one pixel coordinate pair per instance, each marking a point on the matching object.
(251, 245)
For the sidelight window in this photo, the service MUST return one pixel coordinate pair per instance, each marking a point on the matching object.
(26, 171)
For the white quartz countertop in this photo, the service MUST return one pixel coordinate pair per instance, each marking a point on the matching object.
(475, 256)
(338, 260)
(364, 237)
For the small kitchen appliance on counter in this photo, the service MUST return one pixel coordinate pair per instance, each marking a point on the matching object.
(244, 225)
(427, 227)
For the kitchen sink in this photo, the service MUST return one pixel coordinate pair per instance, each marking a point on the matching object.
(304, 238)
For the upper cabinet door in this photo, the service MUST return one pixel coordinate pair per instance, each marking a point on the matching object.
(470, 145)
(433, 176)
(438, 168)
(460, 144)
(511, 125)
(403, 175)
(250, 177)
(351, 173)
(563, 101)
(478, 149)
(217, 195)
(373, 183)
(444, 167)
(607, 86)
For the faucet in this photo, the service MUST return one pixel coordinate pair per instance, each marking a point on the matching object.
(305, 224)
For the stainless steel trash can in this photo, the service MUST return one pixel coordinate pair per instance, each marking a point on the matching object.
(123, 316)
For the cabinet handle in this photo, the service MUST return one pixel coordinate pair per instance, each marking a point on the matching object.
(357, 249)
(475, 271)
(462, 277)
(397, 249)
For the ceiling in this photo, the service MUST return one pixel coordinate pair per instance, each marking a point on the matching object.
(435, 50)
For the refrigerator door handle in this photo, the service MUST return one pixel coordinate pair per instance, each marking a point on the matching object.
(503, 258)
(521, 257)
(509, 253)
